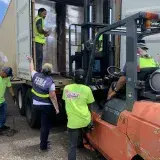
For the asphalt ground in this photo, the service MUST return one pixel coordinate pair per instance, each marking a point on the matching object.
(24, 145)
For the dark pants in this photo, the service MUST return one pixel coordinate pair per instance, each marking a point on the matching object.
(73, 140)
(3, 108)
(39, 56)
(46, 113)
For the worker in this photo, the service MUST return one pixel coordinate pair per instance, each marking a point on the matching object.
(145, 61)
(43, 89)
(4, 83)
(40, 35)
(78, 99)
(99, 44)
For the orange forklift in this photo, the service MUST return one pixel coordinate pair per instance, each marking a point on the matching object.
(126, 127)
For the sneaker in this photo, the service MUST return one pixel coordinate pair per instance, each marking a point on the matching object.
(43, 150)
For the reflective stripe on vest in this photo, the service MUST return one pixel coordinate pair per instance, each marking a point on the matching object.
(40, 95)
(147, 62)
(39, 38)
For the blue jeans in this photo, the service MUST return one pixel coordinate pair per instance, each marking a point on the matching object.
(46, 113)
(3, 108)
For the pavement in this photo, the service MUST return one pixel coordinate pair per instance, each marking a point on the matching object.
(24, 145)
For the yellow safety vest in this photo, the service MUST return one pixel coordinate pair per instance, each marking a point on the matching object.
(39, 38)
(146, 62)
(99, 46)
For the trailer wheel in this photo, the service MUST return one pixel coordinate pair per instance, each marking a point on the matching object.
(31, 115)
(21, 100)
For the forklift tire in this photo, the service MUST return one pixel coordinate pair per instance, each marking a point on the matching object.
(31, 115)
(21, 100)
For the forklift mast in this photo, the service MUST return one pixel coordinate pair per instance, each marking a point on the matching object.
(94, 19)
(97, 15)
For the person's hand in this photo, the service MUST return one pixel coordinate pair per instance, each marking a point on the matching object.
(29, 58)
(57, 111)
(14, 99)
(111, 95)
(48, 33)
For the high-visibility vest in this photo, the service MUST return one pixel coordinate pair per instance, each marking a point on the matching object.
(99, 46)
(146, 62)
(39, 38)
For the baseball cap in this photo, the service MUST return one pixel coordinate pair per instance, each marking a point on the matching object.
(8, 71)
(142, 44)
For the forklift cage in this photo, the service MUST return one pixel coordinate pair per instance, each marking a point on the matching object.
(131, 50)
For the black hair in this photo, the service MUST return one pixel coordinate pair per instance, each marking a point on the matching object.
(80, 76)
(41, 10)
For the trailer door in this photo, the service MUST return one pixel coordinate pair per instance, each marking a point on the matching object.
(23, 38)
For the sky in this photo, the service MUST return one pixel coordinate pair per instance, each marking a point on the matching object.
(3, 8)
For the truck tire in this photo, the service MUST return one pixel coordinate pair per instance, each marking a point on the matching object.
(21, 100)
(31, 115)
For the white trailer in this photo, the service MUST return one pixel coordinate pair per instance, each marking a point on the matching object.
(17, 34)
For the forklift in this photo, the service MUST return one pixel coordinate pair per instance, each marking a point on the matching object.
(124, 128)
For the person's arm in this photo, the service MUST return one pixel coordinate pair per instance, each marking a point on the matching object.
(40, 28)
(90, 99)
(121, 82)
(53, 98)
(31, 64)
(11, 90)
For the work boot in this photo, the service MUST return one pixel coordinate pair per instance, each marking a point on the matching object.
(4, 128)
(43, 150)
(49, 144)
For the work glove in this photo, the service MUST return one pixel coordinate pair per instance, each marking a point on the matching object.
(14, 99)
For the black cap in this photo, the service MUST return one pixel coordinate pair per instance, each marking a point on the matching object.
(8, 71)
(80, 76)
(142, 41)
